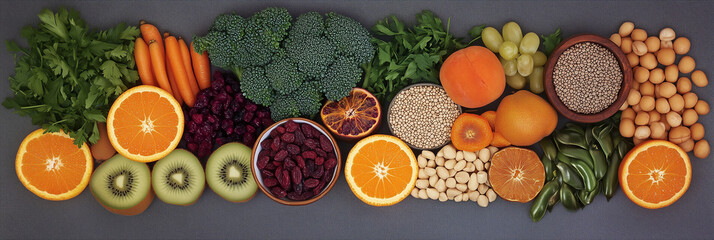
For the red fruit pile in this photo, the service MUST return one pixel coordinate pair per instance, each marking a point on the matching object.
(297, 161)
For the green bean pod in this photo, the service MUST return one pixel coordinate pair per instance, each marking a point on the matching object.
(599, 162)
(562, 158)
(611, 182)
(589, 135)
(616, 139)
(590, 196)
(549, 167)
(622, 149)
(586, 173)
(574, 127)
(569, 176)
(540, 204)
(571, 138)
(578, 153)
(553, 201)
(548, 147)
(567, 197)
(606, 144)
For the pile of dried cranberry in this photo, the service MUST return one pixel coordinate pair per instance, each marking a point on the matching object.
(297, 161)
(221, 115)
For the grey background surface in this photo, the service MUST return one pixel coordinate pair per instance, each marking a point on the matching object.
(340, 215)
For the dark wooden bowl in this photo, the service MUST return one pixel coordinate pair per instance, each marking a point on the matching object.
(624, 87)
(257, 174)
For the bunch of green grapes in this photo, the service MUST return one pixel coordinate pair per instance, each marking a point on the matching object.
(519, 55)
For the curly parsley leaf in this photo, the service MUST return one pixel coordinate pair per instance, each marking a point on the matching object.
(551, 41)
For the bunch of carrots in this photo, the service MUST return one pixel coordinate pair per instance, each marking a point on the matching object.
(168, 63)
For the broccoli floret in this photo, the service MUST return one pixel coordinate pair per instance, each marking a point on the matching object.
(271, 25)
(340, 78)
(309, 98)
(256, 87)
(283, 74)
(283, 107)
(350, 38)
(310, 24)
(219, 47)
(251, 51)
(312, 53)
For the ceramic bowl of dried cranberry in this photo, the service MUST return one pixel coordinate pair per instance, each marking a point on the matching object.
(295, 161)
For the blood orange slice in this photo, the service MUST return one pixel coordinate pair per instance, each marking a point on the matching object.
(516, 174)
(354, 116)
(52, 167)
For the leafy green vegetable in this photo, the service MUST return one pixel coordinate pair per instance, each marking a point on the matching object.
(410, 55)
(551, 41)
(69, 76)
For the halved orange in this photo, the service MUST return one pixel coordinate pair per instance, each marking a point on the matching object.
(381, 170)
(516, 174)
(353, 117)
(655, 174)
(145, 123)
(52, 167)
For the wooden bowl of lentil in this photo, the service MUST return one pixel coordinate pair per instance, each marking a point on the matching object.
(601, 91)
(434, 110)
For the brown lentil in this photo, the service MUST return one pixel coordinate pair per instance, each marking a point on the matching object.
(587, 78)
(422, 116)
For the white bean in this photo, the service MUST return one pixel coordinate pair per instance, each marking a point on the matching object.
(430, 171)
(473, 196)
(470, 156)
(458, 198)
(482, 200)
(462, 187)
(422, 184)
(464, 197)
(460, 155)
(473, 182)
(442, 172)
(479, 166)
(491, 195)
(493, 150)
(449, 164)
(449, 152)
(452, 192)
(460, 165)
(450, 183)
(440, 153)
(487, 165)
(442, 197)
(462, 177)
(432, 180)
(421, 161)
(484, 155)
(440, 161)
(422, 174)
(482, 189)
(470, 167)
(431, 163)
(415, 193)
(440, 185)
(428, 154)
(482, 177)
(452, 172)
(432, 193)
(422, 194)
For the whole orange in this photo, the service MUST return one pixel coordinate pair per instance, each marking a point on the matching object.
(473, 77)
(524, 118)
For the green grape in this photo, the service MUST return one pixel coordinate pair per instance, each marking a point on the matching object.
(491, 38)
(509, 66)
(539, 59)
(516, 81)
(508, 50)
(529, 43)
(536, 80)
(512, 32)
(525, 65)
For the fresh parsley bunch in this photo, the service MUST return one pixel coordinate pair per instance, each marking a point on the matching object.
(69, 75)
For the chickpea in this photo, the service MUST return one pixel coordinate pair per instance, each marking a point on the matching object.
(701, 107)
(648, 61)
(647, 103)
(676, 103)
(636, 85)
(627, 128)
(626, 28)
(628, 114)
(666, 56)
(657, 130)
(701, 149)
(671, 73)
(642, 132)
(690, 99)
(697, 131)
(657, 76)
(689, 117)
(633, 59)
(673, 119)
(700, 78)
(616, 39)
(667, 34)
(684, 85)
(639, 48)
(641, 74)
(686, 64)
(638, 34)
(642, 118)
(624, 106)
(664, 120)
(633, 98)
(626, 45)
(679, 134)
(667, 89)
(662, 105)
(647, 89)
(687, 146)
(681, 45)
(652, 44)
(654, 116)
(665, 44)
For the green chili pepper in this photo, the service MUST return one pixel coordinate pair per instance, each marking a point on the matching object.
(540, 204)
(569, 176)
(590, 196)
(622, 149)
(571, 138)
(548, 147)
(586, 173)
(606, 144)
(562, 158)
(589, 135)
(578, 153)
(610, 182)
(599, 161)
(554, 200)
(549, 168)
(567, 197)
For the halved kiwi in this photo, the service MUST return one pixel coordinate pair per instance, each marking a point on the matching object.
(178, 178)
(122, 186)
(228, 173)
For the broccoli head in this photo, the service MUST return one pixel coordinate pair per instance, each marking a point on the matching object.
(271, 25)
(309, 24)
(340, 78)
(283, 74)
(283, 107)
(308, 98)
(312, 53)
(256, 86)
(350, 38)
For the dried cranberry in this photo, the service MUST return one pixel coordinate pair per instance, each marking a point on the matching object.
(289, 164)
(300, 161)
(298, 188)
(319, 170)
(311, 183)
(307, 195)
(277, 164)
(293, 149)
(325, 143)
(309, 155)
(270, 167)
(320, 152)
(281, 155)
(248, 140)
(307, 130)
(262, 114)
(274, 133)
(262, 161)
(248, 117)
(192, 147)
(284, 179)
(275, 145)
(249, 129)
(330, 163)
(278, 192)
(319, 188)
(266, 143)
(267, 173)
(280, 129)
(299, 137)
(270, 181)
(288, 137)
(295, 196)
(326, 177)
(266, 122)
(251, 107)
(331, 155)
(291, 126)
(311, 143)
(296, 175)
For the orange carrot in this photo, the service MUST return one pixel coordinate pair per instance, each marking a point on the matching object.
(173, 54)
(150, 32)
(172, 81)
(143, 62)
(159, 65)
(201, 67)
(186, 57)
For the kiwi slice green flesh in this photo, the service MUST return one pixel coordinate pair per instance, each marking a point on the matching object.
(178, 178)
(228, 172)
(120, 183)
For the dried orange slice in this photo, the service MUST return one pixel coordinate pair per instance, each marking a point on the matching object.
(145, 123)
(655, 174)
(52, 167)
(516, 174)
(381, 170)
(353, 117)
